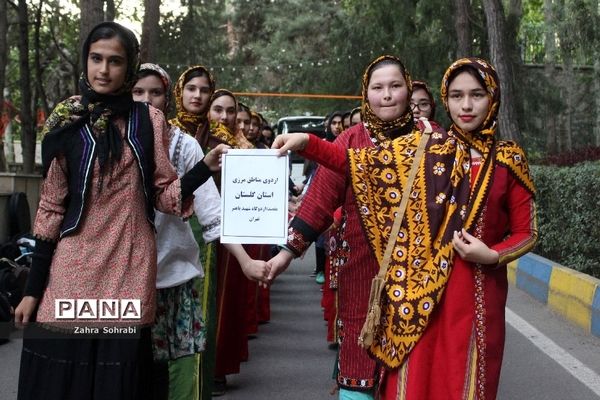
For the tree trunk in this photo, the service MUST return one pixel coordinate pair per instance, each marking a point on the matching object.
(150, 30)
(513, 22)
(67, 57)
(3, 62)
(111, 11)
(462, 26)
(41, 93)
(549, 72)
(567, 113)
(27, 126)
(508, 124)
(92, 13)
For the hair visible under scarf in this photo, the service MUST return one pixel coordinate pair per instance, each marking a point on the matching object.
(99, 110)
(221, 131)
(220, 93)
(491, 83)
(329, 135)
(442, 201)
(423, 85)
(379, 129)
(155, 69)
(187, 121)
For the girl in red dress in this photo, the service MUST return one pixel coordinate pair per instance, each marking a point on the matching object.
(470, 212)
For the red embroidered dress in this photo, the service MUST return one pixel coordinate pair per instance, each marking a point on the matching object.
(460, 353)
(452, 348)
(327, 192)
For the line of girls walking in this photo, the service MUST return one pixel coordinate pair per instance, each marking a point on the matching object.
(107, 167)
(429, 220)
(227, 307)
(119, 184)
(335, 123)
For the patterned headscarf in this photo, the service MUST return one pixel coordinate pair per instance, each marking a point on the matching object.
(442, 201)
(220, 93)
(99, 110)
(164, 78)
(379, 129)
(483, 138)
(423, 85)
(489, 80)
(221, 131)
(189, 122)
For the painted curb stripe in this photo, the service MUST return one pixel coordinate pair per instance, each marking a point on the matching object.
(571, 293)
(574, 295)
(533, 276)
(596, 313)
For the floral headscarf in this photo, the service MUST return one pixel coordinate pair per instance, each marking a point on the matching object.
(189, 122)
(379, 129)
(483, 138)
(164, 78)
(99, 110)
(491, 83)
(221, 131)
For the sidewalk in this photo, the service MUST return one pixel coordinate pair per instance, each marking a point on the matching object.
(289, 358)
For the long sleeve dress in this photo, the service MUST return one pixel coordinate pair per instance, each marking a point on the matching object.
(179, 328)
(328, 191)
(112, 255)
(460, 353)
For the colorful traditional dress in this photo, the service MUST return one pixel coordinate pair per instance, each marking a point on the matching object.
(232, 288)
(224, 289)
(198, 126)
(106, 169)
(441, 333)
(353, 260)
(112, 255)
(179, 330)
(460, 354)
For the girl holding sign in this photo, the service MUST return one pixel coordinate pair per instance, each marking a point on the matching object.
(352, 263)
(436, 316)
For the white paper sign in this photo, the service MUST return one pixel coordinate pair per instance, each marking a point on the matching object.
(254, 197)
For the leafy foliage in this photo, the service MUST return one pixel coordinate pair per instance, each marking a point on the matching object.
(568, 211)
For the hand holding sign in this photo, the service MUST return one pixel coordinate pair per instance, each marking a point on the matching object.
(254, 197)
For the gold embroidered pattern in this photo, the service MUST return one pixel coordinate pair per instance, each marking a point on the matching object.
(423, 253)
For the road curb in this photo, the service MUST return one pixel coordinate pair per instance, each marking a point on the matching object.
(573, 295)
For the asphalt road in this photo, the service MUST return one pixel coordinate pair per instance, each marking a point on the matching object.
(289, 358)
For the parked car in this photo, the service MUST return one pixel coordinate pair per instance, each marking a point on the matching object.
(307, 124)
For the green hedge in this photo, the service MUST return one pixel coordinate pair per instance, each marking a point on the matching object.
(568, 205)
